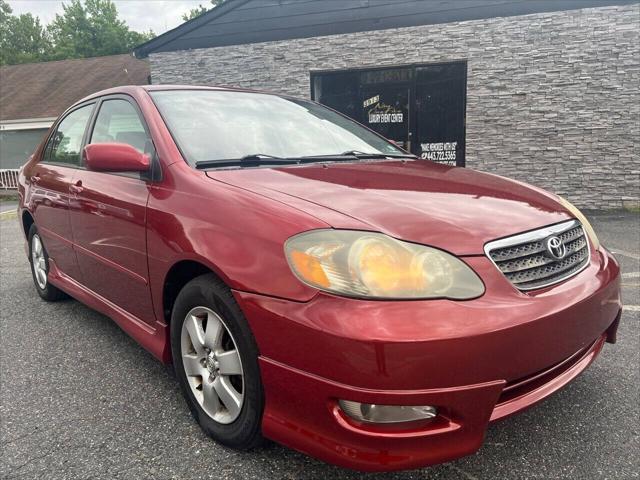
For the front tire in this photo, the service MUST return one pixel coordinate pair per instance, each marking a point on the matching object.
(39, 260)
(216, 361)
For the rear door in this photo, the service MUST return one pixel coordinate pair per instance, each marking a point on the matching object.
(108, 214)
(50, 180)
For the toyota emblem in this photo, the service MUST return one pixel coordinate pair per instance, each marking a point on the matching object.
(556, 248)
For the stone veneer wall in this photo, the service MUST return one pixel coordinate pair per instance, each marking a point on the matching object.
(552, 98)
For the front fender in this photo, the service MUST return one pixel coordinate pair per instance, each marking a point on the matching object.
(237, 234)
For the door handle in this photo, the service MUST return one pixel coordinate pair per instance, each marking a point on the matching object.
(34, 179)
(76, 187)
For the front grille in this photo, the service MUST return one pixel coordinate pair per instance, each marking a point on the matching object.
(529, 263)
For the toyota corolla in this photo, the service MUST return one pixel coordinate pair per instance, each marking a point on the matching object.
(311, 282)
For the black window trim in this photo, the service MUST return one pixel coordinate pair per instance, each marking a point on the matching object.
(155, 175)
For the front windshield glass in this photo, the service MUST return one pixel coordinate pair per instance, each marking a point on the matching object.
(217, 125)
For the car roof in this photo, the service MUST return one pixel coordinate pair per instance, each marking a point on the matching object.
(132, 89)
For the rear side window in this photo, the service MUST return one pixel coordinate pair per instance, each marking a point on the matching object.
(65, 144)
(119, 122)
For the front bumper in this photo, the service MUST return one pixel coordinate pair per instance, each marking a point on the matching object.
(476, 361)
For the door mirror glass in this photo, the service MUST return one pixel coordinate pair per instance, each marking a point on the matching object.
(115, 157)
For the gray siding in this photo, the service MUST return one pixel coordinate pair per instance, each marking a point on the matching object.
(552, 98)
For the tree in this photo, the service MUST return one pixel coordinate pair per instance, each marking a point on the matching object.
(89, 28)
(22, 38)
(92, 29)
(200, 9)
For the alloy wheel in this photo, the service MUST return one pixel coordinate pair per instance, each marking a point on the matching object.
(39, 262)
(212, 365)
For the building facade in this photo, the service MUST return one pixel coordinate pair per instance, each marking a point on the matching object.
(547, 97)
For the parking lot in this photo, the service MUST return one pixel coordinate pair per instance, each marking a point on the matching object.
(80, 399)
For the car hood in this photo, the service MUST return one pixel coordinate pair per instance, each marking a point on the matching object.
(455, 209)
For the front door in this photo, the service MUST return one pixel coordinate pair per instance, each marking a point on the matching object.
(108, 216)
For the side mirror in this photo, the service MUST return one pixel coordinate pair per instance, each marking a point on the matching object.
(115, 157)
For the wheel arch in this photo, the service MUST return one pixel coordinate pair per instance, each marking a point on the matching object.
(27, 221)
(181, 273)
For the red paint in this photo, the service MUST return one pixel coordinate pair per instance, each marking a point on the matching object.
(113, 238)
(434, 200)
(46, 195)
(108, 220)
(115, 157)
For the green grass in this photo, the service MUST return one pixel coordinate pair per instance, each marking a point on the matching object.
(633, 209)
(8, 197)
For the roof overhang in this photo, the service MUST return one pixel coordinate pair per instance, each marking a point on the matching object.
(206, 30)
(143, 51)
(26, 124)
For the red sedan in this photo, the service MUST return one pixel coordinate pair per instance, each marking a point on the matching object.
(311, 282)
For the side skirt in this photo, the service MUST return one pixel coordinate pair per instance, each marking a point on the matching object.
(154, 340)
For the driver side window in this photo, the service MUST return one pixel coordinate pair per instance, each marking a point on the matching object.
(118, 122)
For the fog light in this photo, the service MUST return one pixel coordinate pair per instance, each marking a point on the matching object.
(371, 413)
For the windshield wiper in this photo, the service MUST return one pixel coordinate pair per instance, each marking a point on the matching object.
(260, 159)
(365, 155)
(350, 156)
(357, 153)
(253, 160)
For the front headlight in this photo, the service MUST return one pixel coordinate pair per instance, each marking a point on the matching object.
(591, 233)
(366, 264)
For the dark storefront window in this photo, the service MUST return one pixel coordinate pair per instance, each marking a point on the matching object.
(340, 91)
(420, 107)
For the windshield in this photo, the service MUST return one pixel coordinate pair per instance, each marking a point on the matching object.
(214, 125)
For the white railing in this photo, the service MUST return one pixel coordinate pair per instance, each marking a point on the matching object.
(8, 178)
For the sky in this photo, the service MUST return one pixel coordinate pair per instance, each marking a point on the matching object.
(140, 15)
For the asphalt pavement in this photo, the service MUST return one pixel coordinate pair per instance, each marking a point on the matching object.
(80, 399)
(7, 206)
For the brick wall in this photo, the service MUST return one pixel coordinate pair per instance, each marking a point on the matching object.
(552, 99)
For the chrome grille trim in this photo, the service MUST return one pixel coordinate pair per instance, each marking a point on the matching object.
(522, 260)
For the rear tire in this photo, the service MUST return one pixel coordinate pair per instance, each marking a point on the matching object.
(215, 358)
(39, 260)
